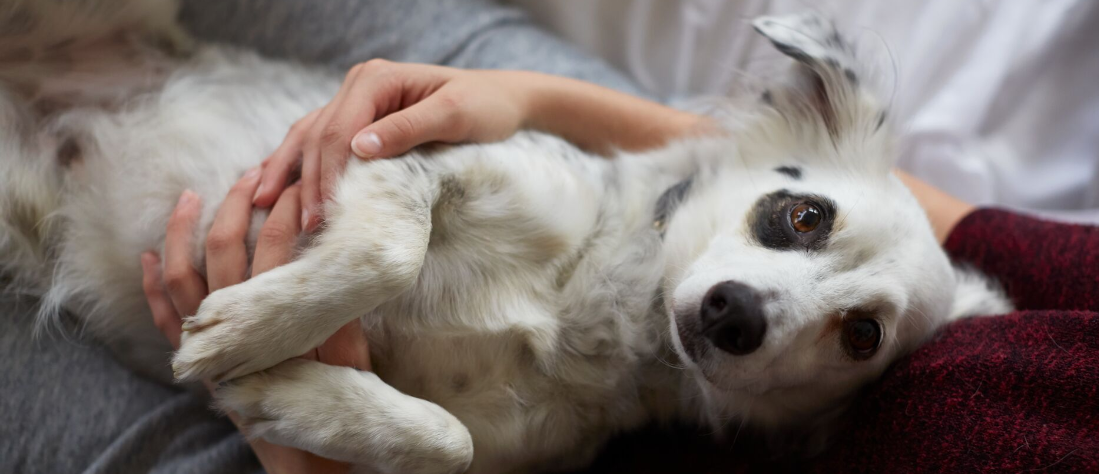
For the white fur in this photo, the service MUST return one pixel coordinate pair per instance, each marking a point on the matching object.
(520, 303)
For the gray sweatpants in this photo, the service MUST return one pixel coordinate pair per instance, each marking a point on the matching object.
(66, 406)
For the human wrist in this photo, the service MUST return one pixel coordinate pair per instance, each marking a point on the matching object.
(534, 94)
(943, 210)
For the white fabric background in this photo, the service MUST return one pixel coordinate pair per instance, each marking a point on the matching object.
(996, 101)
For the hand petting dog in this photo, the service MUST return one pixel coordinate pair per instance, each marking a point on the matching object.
(179, 289)
(384, 109)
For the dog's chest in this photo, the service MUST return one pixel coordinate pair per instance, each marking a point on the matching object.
(534, 370)
(522, 403)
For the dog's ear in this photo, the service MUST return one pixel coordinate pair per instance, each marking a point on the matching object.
(828, 92)
(977, 295)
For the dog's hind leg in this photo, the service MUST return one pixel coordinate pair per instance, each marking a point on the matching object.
(344, 414)
(371, 251)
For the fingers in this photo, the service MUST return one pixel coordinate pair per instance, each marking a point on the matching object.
(437, 118)
(370, 93)
(347, 347)
(319, 132)
(310, 192)
(279, 236)
(165, 317)
(186, 288)
(278, 167)
(226, 253)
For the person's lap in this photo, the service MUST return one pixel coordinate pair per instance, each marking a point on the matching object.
(68, 406)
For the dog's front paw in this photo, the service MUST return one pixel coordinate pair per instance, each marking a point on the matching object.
(302, 404)
(343, 414)
(231, 335)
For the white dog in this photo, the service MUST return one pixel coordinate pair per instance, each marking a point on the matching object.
(524, 300)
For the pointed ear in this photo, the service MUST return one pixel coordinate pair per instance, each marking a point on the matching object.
(828, 88)
(977, 295)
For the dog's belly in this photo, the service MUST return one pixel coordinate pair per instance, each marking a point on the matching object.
(220, 114)
(521, 411)
(541, 373)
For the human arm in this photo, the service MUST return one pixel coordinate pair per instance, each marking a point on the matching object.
(384, 108)
(1042, 264)
(183, 288)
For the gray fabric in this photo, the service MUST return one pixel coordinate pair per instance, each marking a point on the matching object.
(66, 406)
(341, 33)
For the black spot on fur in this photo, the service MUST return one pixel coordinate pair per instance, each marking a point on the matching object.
(836, 40)
(791, 51)
(767, 98)
(769, 221)
(851, 76)
(881, 120)
(667, 203)
(791, 171)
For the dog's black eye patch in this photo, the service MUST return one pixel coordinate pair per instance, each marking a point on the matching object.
(770, 221)
(791, 171)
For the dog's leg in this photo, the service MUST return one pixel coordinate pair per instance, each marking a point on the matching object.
(372, 251)
(343, 414)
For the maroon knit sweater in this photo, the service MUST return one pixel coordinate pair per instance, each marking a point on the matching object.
(1013, 393)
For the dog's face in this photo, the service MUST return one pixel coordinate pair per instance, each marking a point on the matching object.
(785, 304)
(798, 266)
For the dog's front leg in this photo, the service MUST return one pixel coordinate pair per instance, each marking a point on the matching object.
(371, 251)
(344, 414)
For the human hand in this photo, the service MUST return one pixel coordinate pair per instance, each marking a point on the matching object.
(384, 109)
(182, 289)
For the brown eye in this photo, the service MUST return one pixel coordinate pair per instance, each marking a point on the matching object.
(863, 336)
(805, 217)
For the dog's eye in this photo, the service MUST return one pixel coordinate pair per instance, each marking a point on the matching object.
(805, 217)
(863, 336)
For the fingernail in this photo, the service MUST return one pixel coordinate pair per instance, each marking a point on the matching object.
(188, 325)
(252, 173)
(366, 144)
(148, 260)
(304, 219)
(187, 197)
(259, 191)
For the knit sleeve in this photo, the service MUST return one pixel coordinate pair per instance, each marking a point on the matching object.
(1042, 264)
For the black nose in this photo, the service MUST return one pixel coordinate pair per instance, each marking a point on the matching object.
(732, 318)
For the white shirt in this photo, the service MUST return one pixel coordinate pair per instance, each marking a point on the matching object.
(996, 101)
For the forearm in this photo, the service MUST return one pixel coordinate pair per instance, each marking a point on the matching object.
(597, 118)
(943, 210)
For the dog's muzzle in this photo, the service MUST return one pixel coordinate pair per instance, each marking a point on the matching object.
(732, 318)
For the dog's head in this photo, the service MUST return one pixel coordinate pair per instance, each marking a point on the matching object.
(798, 266)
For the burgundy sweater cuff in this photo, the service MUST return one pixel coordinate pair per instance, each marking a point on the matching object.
(1042, 264)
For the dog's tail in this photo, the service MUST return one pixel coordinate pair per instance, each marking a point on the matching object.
(30, 188)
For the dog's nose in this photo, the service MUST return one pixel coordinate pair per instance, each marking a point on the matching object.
(732, 318)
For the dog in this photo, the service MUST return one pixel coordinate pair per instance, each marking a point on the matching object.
(524, 300)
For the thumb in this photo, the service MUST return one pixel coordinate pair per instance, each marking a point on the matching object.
(431, 120)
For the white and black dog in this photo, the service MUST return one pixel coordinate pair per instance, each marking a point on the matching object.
(523, 300)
